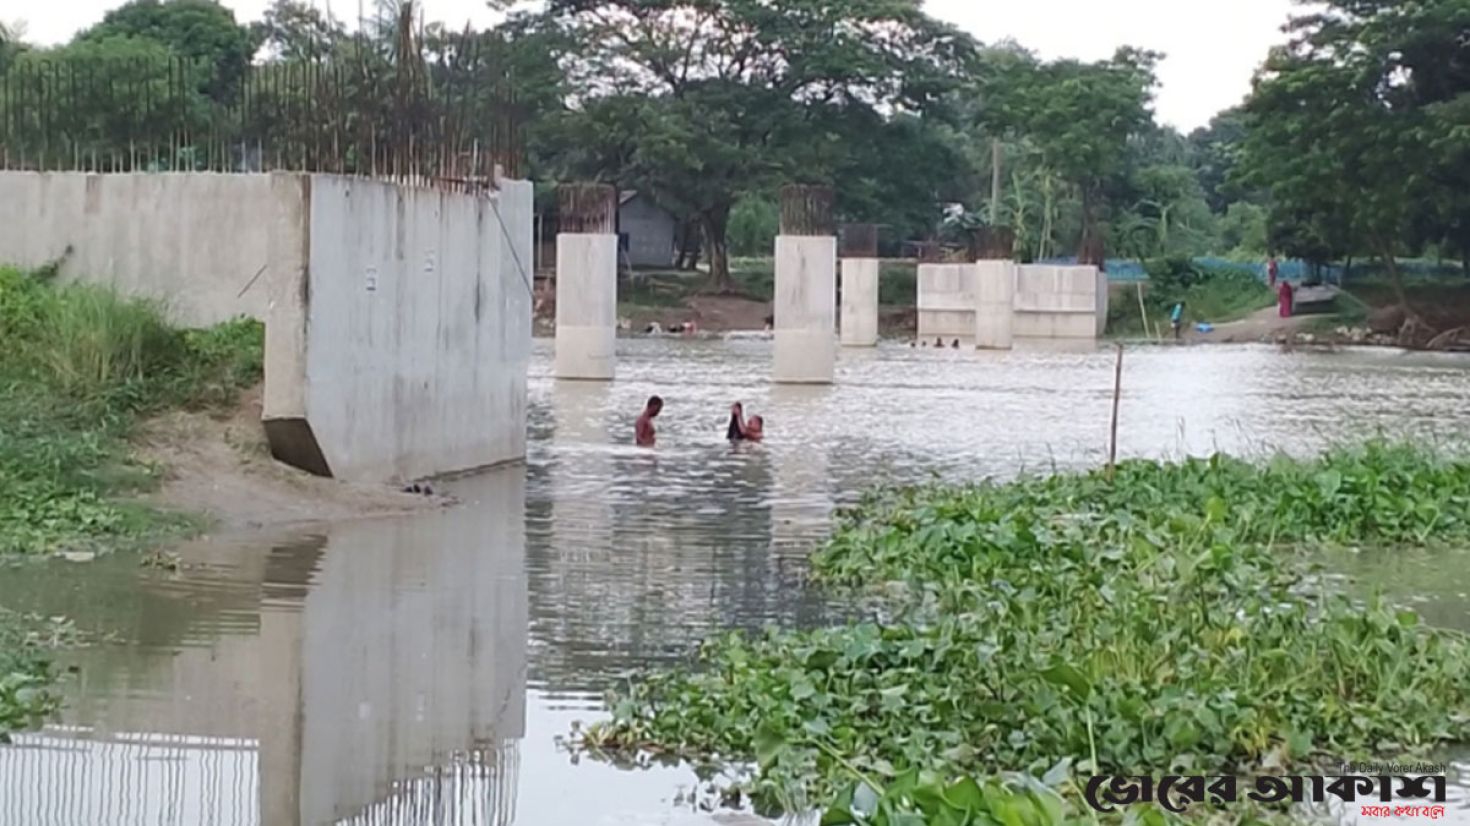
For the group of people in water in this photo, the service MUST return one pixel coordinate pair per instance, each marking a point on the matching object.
(740, 428)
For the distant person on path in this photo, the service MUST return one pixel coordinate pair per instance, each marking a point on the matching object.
(1176, 319)
(741, 430)
(939, 341)
(643, 430)
(1285, 296)
(1273, 271)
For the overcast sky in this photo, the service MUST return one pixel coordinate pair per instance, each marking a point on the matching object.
(1213, 46)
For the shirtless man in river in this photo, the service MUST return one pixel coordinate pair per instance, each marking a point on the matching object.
(643, 430)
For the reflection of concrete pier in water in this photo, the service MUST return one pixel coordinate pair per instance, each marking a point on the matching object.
(373, 675)
(801, 499)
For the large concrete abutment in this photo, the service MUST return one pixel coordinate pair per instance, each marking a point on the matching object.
(860, 274)
(1069, 302)
(398, 318)
(586, 282)
(806, 288)
(398, 342)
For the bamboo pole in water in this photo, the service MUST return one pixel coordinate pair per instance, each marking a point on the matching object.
(1144, 311)
(1117, 395)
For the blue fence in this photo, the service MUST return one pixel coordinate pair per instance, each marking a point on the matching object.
(1128, 270)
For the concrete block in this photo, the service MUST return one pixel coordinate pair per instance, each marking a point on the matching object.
(995, 294)
(860, 302)
(946, 301)
(417, 327)
(196, 242)
(805, 309)
(1054, 325)
(586, 305)
(1060, 302)
(398, 319)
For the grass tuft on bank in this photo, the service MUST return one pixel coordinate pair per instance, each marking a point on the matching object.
(1157, 622)
(82, 365)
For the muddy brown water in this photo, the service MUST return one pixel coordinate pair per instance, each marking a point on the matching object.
(421, 670)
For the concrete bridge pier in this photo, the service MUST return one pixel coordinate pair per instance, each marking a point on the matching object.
(586, 282)
(806, 288)
(995, 304)
(860, 285)
(946, 297)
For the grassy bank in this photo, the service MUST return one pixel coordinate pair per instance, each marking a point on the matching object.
(1214, 294)
(1153, 623)
(81, 367)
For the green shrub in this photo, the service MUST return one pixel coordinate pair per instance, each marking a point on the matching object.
(898, 284)
(82, 364)
(26, 671)
(1151, 622)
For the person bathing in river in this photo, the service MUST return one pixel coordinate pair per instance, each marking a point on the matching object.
(741, 430)
(643, 431)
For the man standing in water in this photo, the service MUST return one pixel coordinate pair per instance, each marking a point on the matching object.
(643, 430)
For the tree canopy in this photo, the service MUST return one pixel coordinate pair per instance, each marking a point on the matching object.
(1355, 140)
(200, 29)
(700, 101)
(1359, 129)
(1080, 118)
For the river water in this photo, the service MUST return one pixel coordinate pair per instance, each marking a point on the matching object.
(422, 670)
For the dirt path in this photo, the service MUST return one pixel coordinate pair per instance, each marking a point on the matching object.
(1263, 324)
(221, 467)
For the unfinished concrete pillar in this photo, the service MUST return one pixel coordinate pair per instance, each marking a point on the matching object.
(992, 244)
(859, 285)
(806, 287)
(946, 296)
(995, 304)
(586, 281)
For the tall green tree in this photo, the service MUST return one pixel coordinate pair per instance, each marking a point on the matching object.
(203, 30)
(295, 30)
(1360, 127)
(698, 101)
(1168, 214)
(12, 43)
(1216, 153)
(1081, 118)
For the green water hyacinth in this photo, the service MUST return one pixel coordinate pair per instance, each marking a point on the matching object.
(1157, 623)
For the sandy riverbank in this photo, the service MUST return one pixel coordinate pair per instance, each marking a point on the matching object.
(220, 467)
